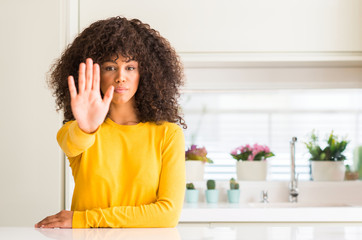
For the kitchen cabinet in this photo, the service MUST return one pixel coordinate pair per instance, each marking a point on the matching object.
(246, 30)
(31, 172)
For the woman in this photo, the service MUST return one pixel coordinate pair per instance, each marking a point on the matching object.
(120, 133)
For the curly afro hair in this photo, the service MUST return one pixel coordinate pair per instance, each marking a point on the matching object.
(161, 72)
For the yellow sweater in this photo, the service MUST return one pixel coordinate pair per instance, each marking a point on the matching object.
(126, 175)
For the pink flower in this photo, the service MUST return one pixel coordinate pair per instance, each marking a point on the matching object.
(251, 153)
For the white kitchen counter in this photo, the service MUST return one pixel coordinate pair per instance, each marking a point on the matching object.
(331, 231)
(226, 212)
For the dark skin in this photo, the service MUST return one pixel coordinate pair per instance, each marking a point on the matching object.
(86, 104)
(63, 219)
(90, 109)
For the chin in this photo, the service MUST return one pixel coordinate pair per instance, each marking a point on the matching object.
(118, 101)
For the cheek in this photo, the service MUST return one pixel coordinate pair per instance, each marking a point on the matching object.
(136, 82)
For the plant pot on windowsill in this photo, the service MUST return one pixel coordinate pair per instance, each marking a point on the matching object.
(327, 164)
(191, 194)
(194, 170)
(211, 194)
(328, 170)
(252, 170)
(233, 192)
(195, 163)
(251, 162)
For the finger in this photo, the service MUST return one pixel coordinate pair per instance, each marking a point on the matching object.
(81, 78)
(48, 225)
(47, 220)
(72, 89)
(61, 220)
(89, 74)
(56, 224)
(96, 77)
(108, 96)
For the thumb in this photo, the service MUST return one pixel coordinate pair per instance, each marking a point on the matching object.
(108, 96)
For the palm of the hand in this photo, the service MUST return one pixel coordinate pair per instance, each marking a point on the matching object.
(88, 107)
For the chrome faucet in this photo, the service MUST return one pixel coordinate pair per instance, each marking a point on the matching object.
(264, 196)
(293, 185)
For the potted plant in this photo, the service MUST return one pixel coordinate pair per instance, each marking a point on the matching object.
(192, 194)
(196, 157)
(251, 162)
(327, 163)
(212, 194)
(350, 175)
(234, 192)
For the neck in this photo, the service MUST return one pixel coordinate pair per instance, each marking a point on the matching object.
(124, 114)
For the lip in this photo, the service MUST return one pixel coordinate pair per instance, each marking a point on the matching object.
(120, 89)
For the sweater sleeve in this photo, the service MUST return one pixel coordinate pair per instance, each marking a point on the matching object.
(165, 212)
(73, 141)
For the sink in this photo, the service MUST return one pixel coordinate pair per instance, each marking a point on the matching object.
(295, 205)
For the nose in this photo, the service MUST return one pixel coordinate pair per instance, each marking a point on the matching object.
(120, 76)
(120, 80)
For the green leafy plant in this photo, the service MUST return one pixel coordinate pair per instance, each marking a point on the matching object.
(195, 153)
(332, 151)
(233, 184)
(210, 184)
(190, 186)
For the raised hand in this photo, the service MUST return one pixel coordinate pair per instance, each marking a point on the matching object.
(88, 107)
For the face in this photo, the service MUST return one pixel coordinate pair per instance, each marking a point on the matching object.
(123, 75)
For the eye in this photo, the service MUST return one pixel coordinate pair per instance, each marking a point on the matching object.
(109, 68)
(130, 68)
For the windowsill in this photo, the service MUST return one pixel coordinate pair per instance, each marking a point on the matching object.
(319, 202)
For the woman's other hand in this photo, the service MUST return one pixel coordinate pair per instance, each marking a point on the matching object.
(88, 107)
(63, 219)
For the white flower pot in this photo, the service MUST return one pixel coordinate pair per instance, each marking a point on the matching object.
(252, 170)
(328, 170)
(194, 170)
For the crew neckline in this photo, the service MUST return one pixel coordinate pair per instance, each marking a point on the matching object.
(111, 122)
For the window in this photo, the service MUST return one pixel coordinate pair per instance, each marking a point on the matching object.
(223, 120)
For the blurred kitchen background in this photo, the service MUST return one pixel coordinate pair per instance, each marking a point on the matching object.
(256, 71)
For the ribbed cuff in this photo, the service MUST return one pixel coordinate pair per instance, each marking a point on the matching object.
(79, 132)
(79, 219)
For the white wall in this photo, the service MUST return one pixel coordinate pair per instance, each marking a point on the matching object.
(31, 164)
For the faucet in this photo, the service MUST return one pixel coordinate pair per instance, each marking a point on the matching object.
(293, 185)
(264, 196)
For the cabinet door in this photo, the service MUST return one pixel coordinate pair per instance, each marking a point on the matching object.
(211, 26)
(31, 174)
